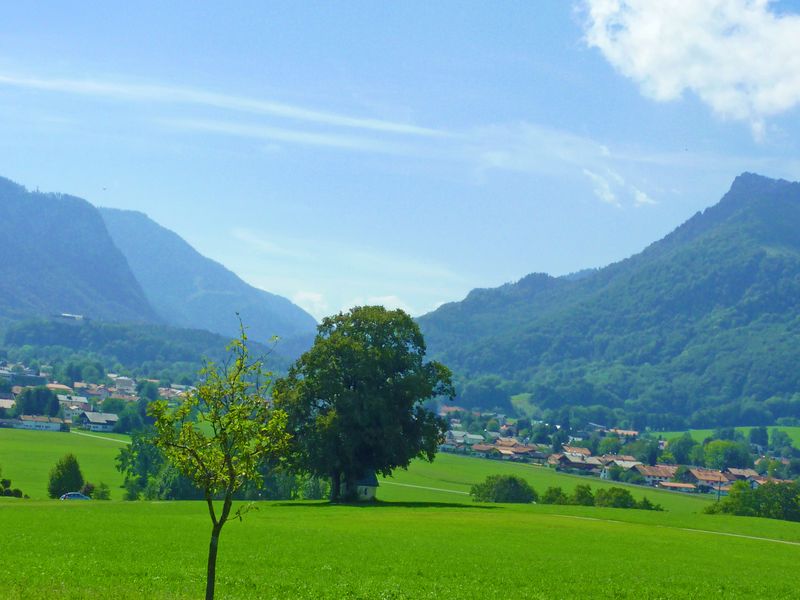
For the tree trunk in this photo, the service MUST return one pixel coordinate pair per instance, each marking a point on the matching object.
(351, 489)
(211, 573)
(335, 486)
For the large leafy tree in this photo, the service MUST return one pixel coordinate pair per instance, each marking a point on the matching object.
(355, 400)
(219, 436)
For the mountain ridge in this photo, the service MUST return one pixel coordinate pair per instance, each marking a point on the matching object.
(617, 339)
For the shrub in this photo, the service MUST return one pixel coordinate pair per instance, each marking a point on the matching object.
(102, 492)
(503, 488)
(554, 495)
(582, 496)
(614, 497)
(65, 477)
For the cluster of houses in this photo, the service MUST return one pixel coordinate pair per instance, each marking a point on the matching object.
(77, 403)
(577, 459)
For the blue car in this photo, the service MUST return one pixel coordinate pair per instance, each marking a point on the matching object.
(74, 496)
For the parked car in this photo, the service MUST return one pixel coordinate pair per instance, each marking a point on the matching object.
(74, 496)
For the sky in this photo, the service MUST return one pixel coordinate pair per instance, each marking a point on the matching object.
(401, 153)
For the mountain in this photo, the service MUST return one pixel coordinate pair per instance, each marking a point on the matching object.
(189, 290)
(701, 328)
(56, 256)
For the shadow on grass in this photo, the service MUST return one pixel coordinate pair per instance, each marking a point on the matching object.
(382, 504)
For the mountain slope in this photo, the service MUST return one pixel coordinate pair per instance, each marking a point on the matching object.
(56, 256)
(702, 327)
(190, 290)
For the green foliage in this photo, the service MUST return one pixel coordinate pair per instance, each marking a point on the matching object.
(700, 329)
(355, 400)
(504, 488)
(614, 498)
(220, 435)
(770, 500)
(554, 495)
(723, 454)
(65, 477)
(102, 492)
(582, 495)
(7, 490)
(37, 401)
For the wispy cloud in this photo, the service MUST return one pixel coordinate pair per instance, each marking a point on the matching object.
(313, 302)
(293, 136)
(740, 57)
(602, 188)
(181, 95)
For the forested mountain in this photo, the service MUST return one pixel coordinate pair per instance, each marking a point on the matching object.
(701, 328)
(56, 256)
(190, 290)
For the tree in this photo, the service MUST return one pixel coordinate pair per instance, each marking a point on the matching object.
(503, 488)
(681, 447)
(220, 434)
(722, 454)
(554, 495)
(355, 400)
(759, 436)
(614, 497)
(65, 477)
(582, 495)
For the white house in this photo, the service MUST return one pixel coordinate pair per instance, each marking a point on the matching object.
(39, 423)
(95, 421)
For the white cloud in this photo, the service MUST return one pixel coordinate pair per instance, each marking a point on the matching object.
(739, 56)
(313, 302)
(602, 188)
(189, 96)
(640, 198)
(279, 134)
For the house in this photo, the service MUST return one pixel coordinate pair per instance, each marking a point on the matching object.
(576, 461)
(577, 450)
(366, 487)
(481, 450)
(608, 458)
(473, 438)
(126, 385)
(707, 479)
(655, 474)
(734, 474)
(625, 465)
(95, 421)
(59, 388)
(7, 404)
(40, 423)
(677, 487)
(624, 433)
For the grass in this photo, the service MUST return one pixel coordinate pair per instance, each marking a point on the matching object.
(26, 457)
(424, 539)
(701, 434)
(450, 477)
(404, 550)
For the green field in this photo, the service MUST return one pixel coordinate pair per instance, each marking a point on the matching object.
(424, 539)
(26, 457)
(701, 434)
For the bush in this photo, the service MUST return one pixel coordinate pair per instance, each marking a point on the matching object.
(614, 497)
(554, 495)
(582, 496)
(102, 492)
(65, 477)
(503, 488)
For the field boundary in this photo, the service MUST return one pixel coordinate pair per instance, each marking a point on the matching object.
(424, 487)
(101, 437)
(725, 533)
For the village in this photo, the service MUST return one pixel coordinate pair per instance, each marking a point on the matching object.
(29, 399)
(636, 458)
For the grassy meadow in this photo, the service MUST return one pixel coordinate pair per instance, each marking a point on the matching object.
(26, 457)
(423, 539)
(701, 434)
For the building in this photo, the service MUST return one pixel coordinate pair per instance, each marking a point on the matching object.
(40, 423)
(366, 487)
(94, 421)
(654, 475)
(707, 480)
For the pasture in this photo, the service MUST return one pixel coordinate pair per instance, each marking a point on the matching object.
(701, 434)
(423, 539)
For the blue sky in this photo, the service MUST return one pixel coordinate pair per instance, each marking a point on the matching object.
(401, 153)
